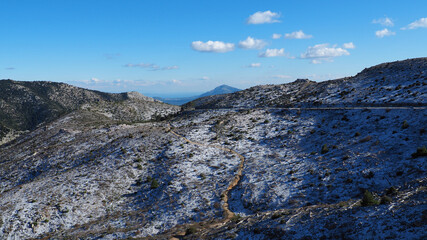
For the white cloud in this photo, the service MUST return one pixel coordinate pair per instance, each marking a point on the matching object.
(384, 22)
(151, 66)
(95, 80)
(420, 23)
(273, 53)
(212, 46)
(282, 76)
(384, 32)
(254, 65)
(252, 43)
(141, 65)
(323, 53)
(349, 45)
(263, 17)
(175, 81)
(297, 35)
(276, 36)
(204, 78)
(168, 68)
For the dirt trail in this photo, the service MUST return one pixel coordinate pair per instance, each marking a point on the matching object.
(228, 214)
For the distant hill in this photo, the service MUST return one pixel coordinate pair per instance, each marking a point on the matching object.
(223, 89)
(388, 84)
(26, 105)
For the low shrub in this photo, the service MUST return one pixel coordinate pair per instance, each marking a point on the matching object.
(324, 149)
(391, 191)
(421, 152)
(191, 230)
(369, 199)
(405, 124)
(154, 184)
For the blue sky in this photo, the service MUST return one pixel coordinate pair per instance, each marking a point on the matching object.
(172, 48)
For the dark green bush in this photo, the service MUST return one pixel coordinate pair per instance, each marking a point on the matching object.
(421, 152)
(154, 184)
(191, 230)
(149, 179)
(405, 124)
(369, 199)
(236, 218)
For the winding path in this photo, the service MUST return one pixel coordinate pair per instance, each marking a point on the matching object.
(228, 214)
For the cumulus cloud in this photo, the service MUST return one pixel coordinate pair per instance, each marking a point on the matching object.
(420, 23)
(384, 22)
(254, 65)
(349, 45)
(151, 66)
(95, 80)
(297, 35)
(263, 17)
(383, 33)
(204, 78)
(212, 46)
(273, 53)
(323, 53)
(276, 36)
(252, 43)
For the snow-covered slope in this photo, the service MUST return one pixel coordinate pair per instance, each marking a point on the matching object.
(307, 173)
(391, 84)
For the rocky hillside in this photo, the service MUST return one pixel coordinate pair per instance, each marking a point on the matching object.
(391, 84)
(248, 173)
(26, 105)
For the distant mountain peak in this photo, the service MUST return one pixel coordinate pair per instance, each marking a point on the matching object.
(222, 89)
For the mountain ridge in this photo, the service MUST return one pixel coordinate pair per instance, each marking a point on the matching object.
(392, 80)
(26, 105)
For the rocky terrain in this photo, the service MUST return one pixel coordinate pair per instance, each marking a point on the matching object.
(26, 105)
(388, 84)
(268, 166)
